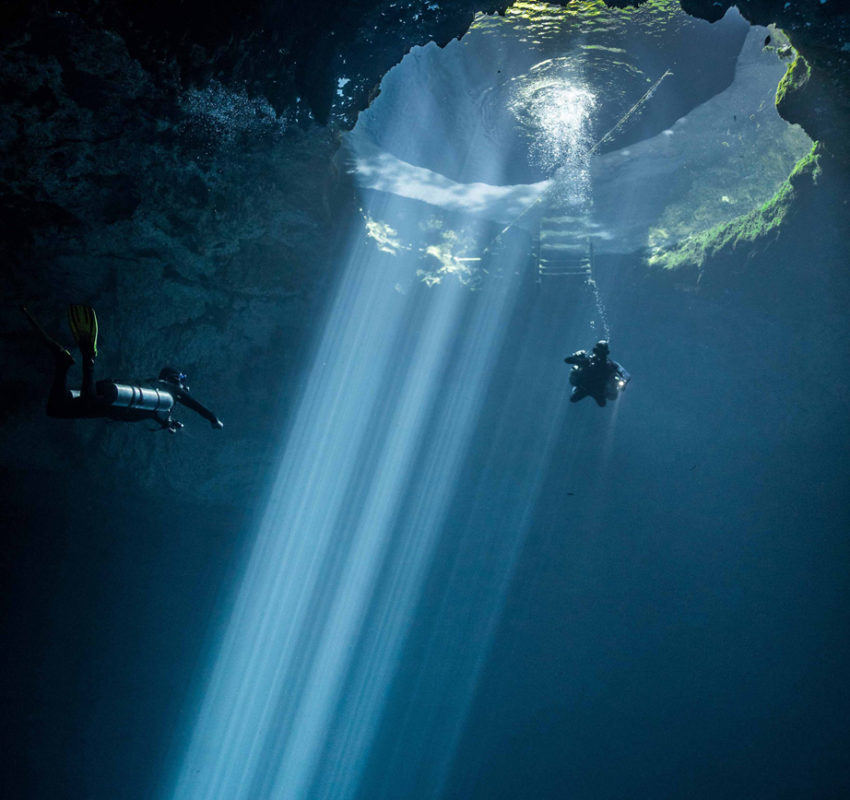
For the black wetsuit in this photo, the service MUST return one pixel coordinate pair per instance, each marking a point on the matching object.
(180, 393)
(93, 400)
(593, 375)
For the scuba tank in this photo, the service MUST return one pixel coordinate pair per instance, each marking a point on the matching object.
(141, 398)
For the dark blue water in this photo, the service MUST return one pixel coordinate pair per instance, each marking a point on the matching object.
(672, 625)
(645, 600)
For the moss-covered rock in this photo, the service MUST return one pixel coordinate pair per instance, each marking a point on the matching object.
(816, 91)
(795, 79)
(799, 235)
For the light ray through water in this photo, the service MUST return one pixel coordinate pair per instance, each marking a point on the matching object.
(324, 539)
(331, 589)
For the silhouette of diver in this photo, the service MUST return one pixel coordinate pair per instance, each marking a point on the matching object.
(596, 375)
(107, 398)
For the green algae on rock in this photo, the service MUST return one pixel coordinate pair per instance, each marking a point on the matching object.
(748, 233)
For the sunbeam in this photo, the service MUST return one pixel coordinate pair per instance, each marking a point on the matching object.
(381, 427)
(366, 494)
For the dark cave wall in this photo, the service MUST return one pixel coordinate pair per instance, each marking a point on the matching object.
(201, 233)
(167, 163)
(293, 53)
(290, 53)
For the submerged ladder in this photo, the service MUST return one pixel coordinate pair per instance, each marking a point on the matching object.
(564, 249)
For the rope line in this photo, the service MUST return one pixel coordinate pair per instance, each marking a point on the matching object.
(622, 121)
(544, 195)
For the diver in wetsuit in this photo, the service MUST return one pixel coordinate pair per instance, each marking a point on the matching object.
(107, 398)
(596, 375)
(173, 382)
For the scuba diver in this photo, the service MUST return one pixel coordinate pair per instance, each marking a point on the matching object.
(106, 398)
(596, 375)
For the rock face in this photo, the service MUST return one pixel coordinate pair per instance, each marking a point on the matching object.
(169, 167)
(726, 157)
(199, 227)
(818, 96)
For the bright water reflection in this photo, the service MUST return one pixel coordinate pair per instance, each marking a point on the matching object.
(558, 112)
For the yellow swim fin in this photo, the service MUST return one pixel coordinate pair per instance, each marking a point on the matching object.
(83, 323)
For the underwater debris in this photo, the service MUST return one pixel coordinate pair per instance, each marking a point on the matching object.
(384, 236)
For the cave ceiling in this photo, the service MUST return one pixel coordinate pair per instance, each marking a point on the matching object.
(294, 54)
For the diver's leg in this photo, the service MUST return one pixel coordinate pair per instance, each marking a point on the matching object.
(87, 390)
(578, 394)
(60, 402)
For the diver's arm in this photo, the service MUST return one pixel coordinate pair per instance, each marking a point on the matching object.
(578, 359)
(190, 402)
(621, 372)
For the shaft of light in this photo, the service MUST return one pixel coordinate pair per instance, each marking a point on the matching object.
(330, 591)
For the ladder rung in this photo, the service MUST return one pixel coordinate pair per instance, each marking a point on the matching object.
(563, 219)
(562, 254)
(564, 249)
(564, 263)
(563, 269)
